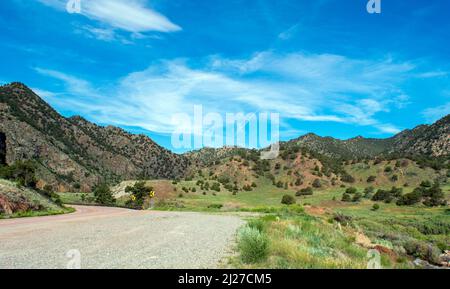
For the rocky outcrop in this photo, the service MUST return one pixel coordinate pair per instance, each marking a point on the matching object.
(14, 199)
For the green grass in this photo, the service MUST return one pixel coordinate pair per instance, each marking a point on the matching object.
(297, 240)
(89, 199)
(27, 214)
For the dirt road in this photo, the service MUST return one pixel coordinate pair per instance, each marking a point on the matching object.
(117, 238)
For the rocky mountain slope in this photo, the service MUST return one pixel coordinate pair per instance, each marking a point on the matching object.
(429, 140)
(73, 153)
(425, 140)
(2, 149)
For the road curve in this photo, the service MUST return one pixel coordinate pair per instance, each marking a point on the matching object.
(117, 238)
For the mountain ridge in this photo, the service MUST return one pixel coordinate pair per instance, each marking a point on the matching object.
(69, 149)
(75, 152)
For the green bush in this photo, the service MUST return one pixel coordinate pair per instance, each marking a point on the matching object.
(103, 195)
(371, 179)
(357, 197)
(423, 251)
(257, 224)
(305, 192)
(215, 206)
(140, 192)
(346, 178)
(253, 245)
(346, 198)
(22, 172)
(375, 207)
(317, 184)
(351, 191)
(288, 200)
(368, 192)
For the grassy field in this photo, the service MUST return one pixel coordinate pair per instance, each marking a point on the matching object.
(50, 212)
(311, 233)
(319, 231)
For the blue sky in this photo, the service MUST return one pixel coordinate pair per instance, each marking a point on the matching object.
(326, 66)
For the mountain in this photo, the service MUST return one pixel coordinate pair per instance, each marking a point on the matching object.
(73, 153)
(428, 140)
(424, 140)
(358, 147)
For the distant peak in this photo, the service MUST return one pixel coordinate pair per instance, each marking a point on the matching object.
(359, 137)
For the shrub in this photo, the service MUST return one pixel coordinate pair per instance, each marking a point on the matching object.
(375, 207)
(368, 192)
(357, 197)
(247, 188)
(388, 169)
(346, 198)
(317, 184)
(23, 172)
(423, 251)
(426, 184)
(103, 195)
(371, 179)
(139, 193)
(215, 206)
(410, 199)
(305, 192)
(351, 191)
(215, 187)
(342, 219)
(288, 200)
(257, 224)
(253, 245)
(347, 178)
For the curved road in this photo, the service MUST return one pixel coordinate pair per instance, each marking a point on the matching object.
(117, 238)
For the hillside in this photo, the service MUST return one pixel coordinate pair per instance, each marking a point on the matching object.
(429, 140)
(72, 153)
(19, 200)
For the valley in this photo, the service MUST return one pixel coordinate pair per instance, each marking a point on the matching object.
(322, 203)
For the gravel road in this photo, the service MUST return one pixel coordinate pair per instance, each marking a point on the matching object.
(118, 238)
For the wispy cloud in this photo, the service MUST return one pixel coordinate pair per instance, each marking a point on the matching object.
(435, 113)
(128, 15)
(75, 85)
(304, 87)
(289, 33)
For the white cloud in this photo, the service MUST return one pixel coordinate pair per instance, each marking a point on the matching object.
(435, 113)
(75, 85)
(129, 15)
(303, 87)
